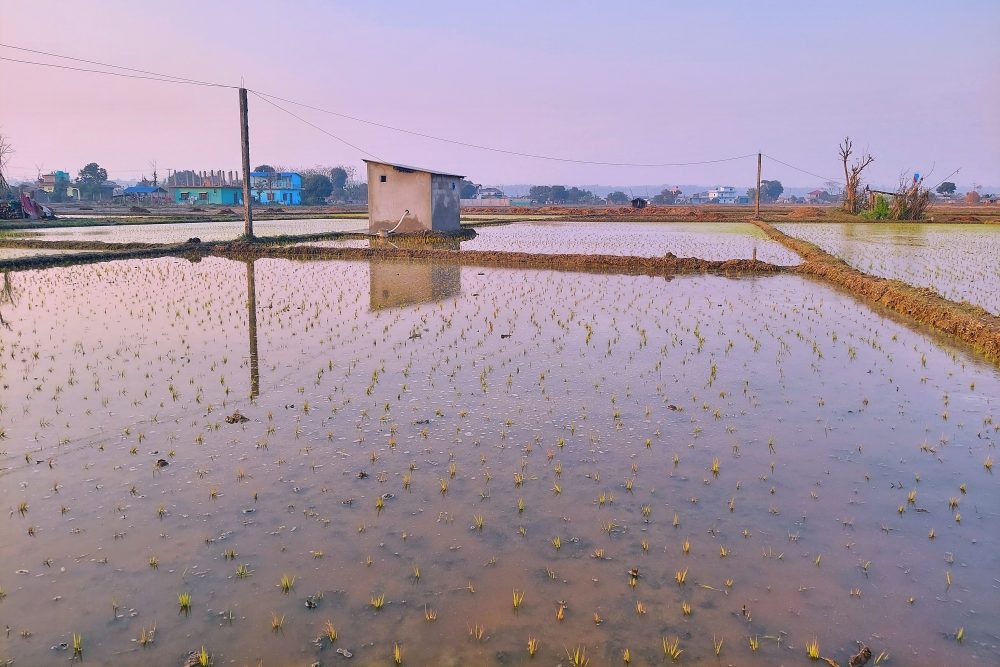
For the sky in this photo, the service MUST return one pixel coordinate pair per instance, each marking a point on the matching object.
(917, 83)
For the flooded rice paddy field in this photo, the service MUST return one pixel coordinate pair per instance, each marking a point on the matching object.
(695, 464)
(713, 241)
(958, 261)
(182, 231)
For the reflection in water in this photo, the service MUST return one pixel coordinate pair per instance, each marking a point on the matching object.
(252, 320)
(398, 284)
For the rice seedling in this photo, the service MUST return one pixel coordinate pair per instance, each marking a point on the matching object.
(532, 646)
(754, 643)
(557, 543)
(671, 648)
(286, 583)
(478, 521)
(518, 599)
(626, 656)
(184, 601)
(477, 632)
(685, 608)
(640, 608)
(377, 601)
(577, 657)
(430, 614)
(204, 659)
(717, 645)
(681, 576)
(77, 646)
(146, 636)
(277, 622)
(812, 649)
(397, 653)
(329, 631)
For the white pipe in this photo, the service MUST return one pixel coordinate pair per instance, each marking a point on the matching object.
(401, 218)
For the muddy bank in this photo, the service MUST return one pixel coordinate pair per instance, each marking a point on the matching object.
(667, 265)
(966, 322)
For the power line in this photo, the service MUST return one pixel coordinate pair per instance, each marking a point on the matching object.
(317, 127)
(122, 67)
(502, 150)
(121, 74)
(792, 166)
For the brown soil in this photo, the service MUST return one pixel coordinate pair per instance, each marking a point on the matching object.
(805, 212)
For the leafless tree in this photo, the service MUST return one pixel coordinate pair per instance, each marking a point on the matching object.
(852, 174)
(6, 150)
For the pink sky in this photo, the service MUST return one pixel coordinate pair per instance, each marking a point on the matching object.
(916, 82)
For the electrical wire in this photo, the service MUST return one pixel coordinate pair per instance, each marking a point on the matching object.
(121, 74)
(317, 127)
(122, 67)
(502, 150)
(792, 166)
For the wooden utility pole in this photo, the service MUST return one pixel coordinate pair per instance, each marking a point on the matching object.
(245, 146)
(757, 214)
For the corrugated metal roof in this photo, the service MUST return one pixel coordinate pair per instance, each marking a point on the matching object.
(406, 167)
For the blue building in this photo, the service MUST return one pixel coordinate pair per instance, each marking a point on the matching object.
(276, 187)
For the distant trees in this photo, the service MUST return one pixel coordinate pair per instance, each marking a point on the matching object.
(972, 198)
(469, 190)
(947, 188)
(618, 197)
(666, 197)
(265, 168)
(852, 174)
(90, 179)
(769, 191)
(316, 188)
(560, 194)
(338, 181)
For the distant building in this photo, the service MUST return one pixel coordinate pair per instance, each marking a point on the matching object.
(57, 180)
(410, 199)
(722, 194)
(145, 193)
(276, 187)
(211, 187)
(490, 193)
(639, 202)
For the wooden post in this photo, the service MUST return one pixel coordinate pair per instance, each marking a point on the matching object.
(245, 147)
(757, 214)
(252, 326)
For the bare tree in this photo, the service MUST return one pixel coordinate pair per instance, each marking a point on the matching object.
(852, 174)
(6, 150)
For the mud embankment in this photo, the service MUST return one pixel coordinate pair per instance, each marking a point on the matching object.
(658, 266)
(971, 324)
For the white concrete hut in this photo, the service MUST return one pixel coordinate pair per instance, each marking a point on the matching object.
(407, 200)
